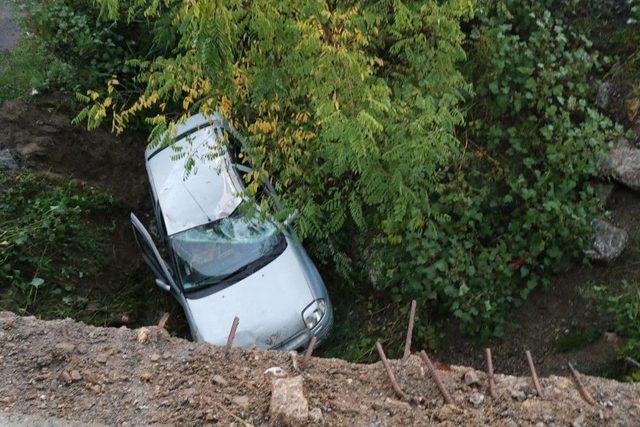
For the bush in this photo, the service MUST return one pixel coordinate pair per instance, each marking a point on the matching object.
(435, 150)
(46, 243)
(624, 305)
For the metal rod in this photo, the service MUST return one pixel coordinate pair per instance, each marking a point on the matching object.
(534, 374)
(162, 323)
(583, 391)
(392, 377)
(436, 377)
(412, 316)
(490, 380)
(634, 362)
(232, 334)
(309, 352)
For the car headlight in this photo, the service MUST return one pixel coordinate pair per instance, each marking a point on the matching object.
(314, 313)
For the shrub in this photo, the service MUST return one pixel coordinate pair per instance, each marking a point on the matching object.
(45, 241)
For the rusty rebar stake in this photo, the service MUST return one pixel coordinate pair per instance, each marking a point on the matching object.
(490, 380)
(412, 316)
(634, 362)
(162, 323)
(232, 335)
(583, 391)
(436, 377)
(392, 378)
(309, 352)
(534, 374)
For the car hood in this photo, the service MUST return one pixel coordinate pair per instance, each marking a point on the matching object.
(269, 304)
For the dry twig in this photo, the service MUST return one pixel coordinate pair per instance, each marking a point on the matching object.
(392, 378)
(583, 391)
(309, 352)
(232, 334)
(436, 377)
(534, 374)
(162, 323)
(634, 362)
(407, 344)
(490, 380)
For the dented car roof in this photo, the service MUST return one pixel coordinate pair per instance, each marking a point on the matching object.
(209, 191)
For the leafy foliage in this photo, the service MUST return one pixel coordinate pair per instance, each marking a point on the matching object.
(624, 305)
(435, 150)
(45, 244)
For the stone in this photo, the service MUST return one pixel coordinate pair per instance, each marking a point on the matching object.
(30, 149)
(66, 377)
(605, 94)
(76, 375)
(7, 160)
(102, 358)
(146, 376)
(476, 399)
(218, 379)
(154, 357)
(608, 243)
(623, 164)
(288, 405)
(241, 401)
(315, 416)
(518, 395)
(143, 335)
(65, 347)
(471, 378)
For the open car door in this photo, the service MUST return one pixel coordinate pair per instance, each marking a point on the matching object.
(152, 257)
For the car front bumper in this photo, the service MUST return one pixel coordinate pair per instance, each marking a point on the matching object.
(302, 339)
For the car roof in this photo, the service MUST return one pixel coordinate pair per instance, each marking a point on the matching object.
(209, 192)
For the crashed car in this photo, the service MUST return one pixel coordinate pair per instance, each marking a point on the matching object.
(221, 260)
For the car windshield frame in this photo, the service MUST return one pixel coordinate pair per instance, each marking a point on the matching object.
(276, 247)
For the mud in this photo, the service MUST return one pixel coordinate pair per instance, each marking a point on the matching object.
(66, 370)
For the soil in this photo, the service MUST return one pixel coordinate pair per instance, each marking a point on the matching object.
(566, 310)
(63, 370)
(45, 140)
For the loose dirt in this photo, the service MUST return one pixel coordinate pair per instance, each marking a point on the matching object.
(70, 371)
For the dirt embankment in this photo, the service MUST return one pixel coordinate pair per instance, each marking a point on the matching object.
(67, 370)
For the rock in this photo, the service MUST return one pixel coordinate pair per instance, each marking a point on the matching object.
(146, 376)
(605, 95)
(30, 149)
(154, 357)
(608, 243)
(76, 375)
(394, 406)
(64, 376)
(143, 335)
(518, 395)
(632, 107)
(241, 401)
(603, 192)
(578, 422)
(220, 380)
(288, 404)
(275, 372)
(476, 399)
(7, 160)
(65, 347)
(623, 163)
(102, 358)
(315, 416)
(471, 378)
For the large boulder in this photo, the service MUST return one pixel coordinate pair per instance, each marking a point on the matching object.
(623, 164)
(608, 243)
(288, 404)
(7, 160)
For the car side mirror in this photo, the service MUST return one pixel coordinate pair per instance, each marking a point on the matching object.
(291, 218)
(163, 285)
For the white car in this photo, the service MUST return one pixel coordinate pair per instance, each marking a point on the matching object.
(222, 262)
